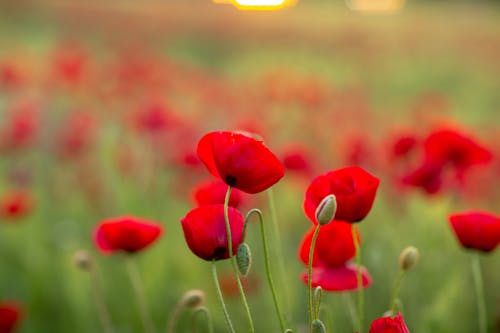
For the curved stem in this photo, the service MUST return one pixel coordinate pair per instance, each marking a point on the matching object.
(478, 284)
(172, 323)
(395, 291)
(318, 294)
(279, 250)
(204, 310)
(139, 294)
(360, 278)
(221, 298)
(309, 275)
(102, 310)
(233, 260)
(268, 265)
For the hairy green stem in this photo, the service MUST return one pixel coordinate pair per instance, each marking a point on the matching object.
(395, 291)
(309, 275)
(233, 261)
(268, 265)
(221, 298)
(279, 251)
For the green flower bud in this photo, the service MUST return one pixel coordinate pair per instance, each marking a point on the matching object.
(244, 259)
(318, 326)
(83, 260)
(326, 210)
(192, 299)
(408, 258)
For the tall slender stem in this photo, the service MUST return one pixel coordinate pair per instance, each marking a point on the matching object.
(204, 310)
(360, 278)
(279, 250)
(233, 260)
(135, 279)
(395, 291)
(102, 310)
(478, 284)
(221, 298)
(309, 275)
(268, 266)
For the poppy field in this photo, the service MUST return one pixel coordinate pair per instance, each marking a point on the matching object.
(307, 170)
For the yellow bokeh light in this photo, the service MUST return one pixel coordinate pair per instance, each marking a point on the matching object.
(375, 5)
(258, 4)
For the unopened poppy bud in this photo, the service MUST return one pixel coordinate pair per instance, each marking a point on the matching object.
(318, 326)
(83, 260)
(408, 258)
(326, 210)
(244, 259)
(192, 299)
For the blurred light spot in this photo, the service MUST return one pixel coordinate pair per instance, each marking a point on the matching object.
(375, 5)
(258, 4)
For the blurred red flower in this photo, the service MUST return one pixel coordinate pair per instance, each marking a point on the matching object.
(428, 177)
(16, 204)
(297, 159)
(205, 231)
(459, 150)
(21, 127)
(10, 316)
(154, 118)
(353, 187)
(240, 161)
(476, 230)
(389, 325)
(126, 233)
(214, 192)
(76, 136)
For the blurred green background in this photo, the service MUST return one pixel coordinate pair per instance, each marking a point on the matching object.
(431, 61)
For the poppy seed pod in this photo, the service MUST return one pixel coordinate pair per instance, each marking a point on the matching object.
(408, 258)
(326, 210)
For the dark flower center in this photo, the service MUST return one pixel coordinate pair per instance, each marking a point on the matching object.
(230, 180)
(219, 253)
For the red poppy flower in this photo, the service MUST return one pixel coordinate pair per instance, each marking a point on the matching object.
(10, 316)
(214, 192)
(334, 245)
(402, 146)
(389, 325)
(353, 187)
(240, 161)
(205, 231)
(339, 278)
(428, 177)
(459, 150)
(126, 233)
(15, 204)
(476, 230)
(297, 159)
